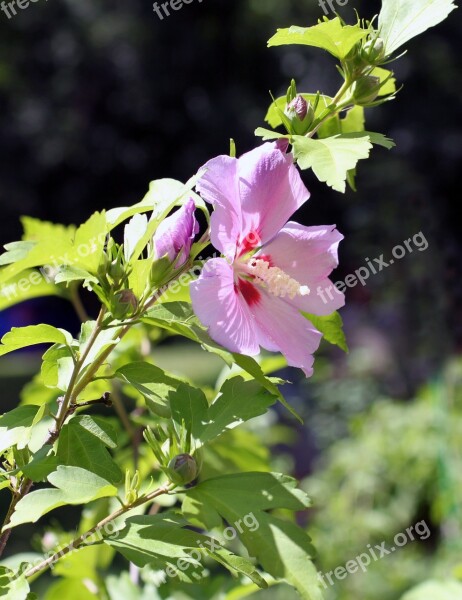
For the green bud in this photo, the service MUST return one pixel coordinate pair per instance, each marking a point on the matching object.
(373, 51)
(124, 304)
(300, 114)
(366, 90)
(182, 469)
(161, 271)
(116, 271)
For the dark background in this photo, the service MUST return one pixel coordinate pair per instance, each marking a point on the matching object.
(98, 98)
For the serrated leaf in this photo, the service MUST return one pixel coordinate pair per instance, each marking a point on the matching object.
(15, 251)
(73, 485)
(162, 541)
(238, 401)
(80, 445)
(330, 35)
(267, 134)
(283, 549)
(152, 382)
(402, 20)
(331, 158)
(331, 328)
(22, 337)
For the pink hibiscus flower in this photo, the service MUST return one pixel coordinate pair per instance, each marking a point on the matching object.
(271, 269)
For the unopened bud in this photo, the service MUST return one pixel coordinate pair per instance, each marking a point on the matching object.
(366, 90)
(116, 270)
(301, 115)
(182, 469)
(373, 51)
(125, 304)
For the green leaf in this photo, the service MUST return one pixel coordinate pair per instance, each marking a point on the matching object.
(331, 158)
(13, 589)
(152, 382)
(25, 286)
(102, 342)
(283, 549)
(68, 274)
(331, 328)
(162, 196)
(377, 139)
(22, 337)
(88, 244)
(402, 20)
(15, 426)
(70, 589)
(162, 541)
(82, 443)
(133, 233)
(15, 251)
(389, 87)
(239, 564)
(267, 134)
(333, 36)
(238, 401)
(179, 318)
(435, 590)
(73, 485)
(57, 367)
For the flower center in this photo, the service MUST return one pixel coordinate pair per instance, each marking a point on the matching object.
(275, 280)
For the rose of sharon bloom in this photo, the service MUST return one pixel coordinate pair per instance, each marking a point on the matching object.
(271, 269)
(175, 235)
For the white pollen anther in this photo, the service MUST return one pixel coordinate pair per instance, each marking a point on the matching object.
(277, 282)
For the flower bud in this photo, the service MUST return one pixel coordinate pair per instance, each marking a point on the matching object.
(373, 51)
(301, 115)
(366, 90)
(182, 469)
(116, 271)
(124, 304)
(175, 235)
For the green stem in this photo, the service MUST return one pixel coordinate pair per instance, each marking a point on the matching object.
(75, 544)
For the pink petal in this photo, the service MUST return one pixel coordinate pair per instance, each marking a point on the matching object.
(175, 235)
(270, 189)
(221, 307)
(218, 186)
(323, 299)
(287, 331)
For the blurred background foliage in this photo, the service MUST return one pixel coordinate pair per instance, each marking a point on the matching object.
(98, 98)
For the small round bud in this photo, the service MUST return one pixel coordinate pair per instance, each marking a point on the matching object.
(301, 115)
(182, 469)
(124, 304)
(366, 90)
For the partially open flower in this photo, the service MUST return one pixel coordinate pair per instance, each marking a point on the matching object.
(175, 235)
